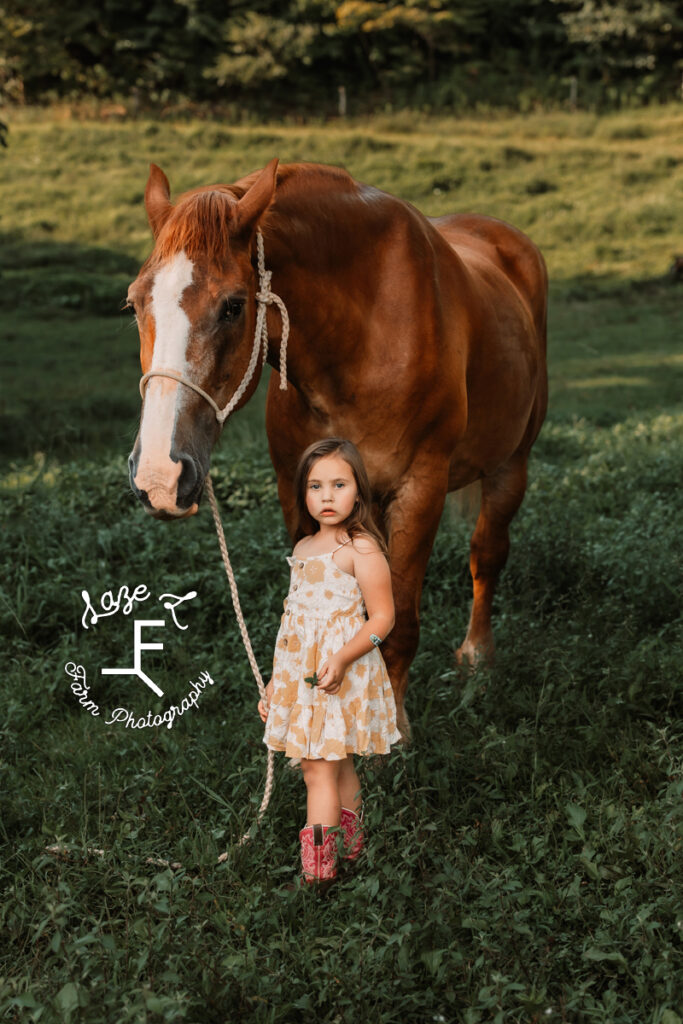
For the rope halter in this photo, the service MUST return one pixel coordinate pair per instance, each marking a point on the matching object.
(264, 297)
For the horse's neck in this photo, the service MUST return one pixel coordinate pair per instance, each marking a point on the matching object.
(319, 226)
(323, 249)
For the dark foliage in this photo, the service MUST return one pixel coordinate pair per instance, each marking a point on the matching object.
(297, 55)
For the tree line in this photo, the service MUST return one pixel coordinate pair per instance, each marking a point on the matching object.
(327, 56)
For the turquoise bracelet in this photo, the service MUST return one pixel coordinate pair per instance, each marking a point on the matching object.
(374, 639)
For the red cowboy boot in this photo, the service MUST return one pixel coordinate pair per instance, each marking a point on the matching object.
(354, 836)
(318, 853)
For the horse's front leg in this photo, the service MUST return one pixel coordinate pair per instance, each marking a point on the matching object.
(501, 496)
(413, 521)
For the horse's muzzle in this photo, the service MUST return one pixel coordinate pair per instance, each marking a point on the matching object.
(176, 497)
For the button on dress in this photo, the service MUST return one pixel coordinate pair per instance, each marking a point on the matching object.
(323, 610)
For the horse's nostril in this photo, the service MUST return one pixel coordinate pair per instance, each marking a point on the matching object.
(188, 478)
(132, 471)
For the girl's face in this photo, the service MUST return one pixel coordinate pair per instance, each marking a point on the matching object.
(331, 490)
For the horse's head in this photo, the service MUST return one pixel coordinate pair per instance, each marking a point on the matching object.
(195, 306)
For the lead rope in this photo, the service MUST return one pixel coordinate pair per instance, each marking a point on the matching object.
(264, 297)
(247, 646)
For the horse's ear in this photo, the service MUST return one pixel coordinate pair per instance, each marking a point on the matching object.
(157, 199)
(254, 203)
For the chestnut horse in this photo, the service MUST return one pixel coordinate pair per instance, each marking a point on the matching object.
(421, 340)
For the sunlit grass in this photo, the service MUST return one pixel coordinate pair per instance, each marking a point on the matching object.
(599, 195)
(540, 800)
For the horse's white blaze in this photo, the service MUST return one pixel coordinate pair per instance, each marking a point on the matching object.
(156, 470)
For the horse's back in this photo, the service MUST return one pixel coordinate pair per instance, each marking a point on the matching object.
(507, 274)
(480, 240)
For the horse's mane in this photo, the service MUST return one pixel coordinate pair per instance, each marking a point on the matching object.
(199, 222)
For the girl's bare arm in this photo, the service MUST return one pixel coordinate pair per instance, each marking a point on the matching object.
(374, 578)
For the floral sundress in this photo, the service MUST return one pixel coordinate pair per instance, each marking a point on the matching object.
(323, 610)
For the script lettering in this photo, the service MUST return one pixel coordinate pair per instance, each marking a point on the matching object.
(111, 603)
(79, 687)
(171, 606)
(130, 721)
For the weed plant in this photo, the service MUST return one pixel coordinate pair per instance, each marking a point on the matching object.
(524, 852)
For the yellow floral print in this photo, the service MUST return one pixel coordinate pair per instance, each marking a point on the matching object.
(323, 610)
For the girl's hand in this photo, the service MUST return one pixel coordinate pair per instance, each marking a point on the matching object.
(331, 674)
(263, 706)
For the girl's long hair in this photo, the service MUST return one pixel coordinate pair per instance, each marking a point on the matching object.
(361, 520)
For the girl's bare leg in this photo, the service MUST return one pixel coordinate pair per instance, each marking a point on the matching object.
(322, 786)
(349, 785)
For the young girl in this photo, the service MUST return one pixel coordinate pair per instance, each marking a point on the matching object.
(330, 696)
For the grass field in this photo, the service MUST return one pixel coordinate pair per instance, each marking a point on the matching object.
(525, 853)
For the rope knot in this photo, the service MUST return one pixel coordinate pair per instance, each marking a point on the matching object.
(266, 297)
(264, 294)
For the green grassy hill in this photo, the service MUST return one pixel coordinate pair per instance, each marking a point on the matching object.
(601, 197)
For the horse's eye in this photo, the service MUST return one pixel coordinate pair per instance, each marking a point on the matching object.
(231, 310)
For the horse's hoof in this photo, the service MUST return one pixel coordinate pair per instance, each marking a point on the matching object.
(403, 726)
(471, 656)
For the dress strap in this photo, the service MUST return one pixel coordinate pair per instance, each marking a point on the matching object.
(343, 544)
